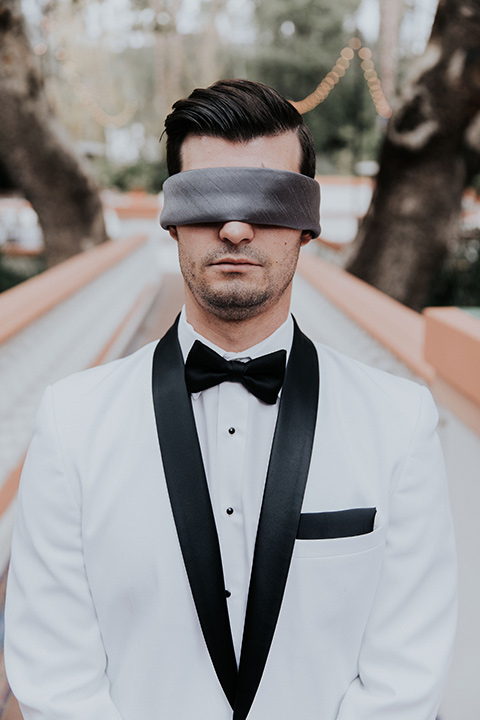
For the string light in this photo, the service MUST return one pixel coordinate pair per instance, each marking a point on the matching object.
(365, 53)
(319, 95)
(323, 90)
(76, 82)
(88, 101)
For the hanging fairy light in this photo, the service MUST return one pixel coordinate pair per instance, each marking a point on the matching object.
(78, 85)
(40, 48)
(355, 43)
(86, 98)
(342, 64)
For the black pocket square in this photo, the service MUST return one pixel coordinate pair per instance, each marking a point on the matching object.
(336, 524)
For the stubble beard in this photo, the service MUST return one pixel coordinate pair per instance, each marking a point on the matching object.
(234, 299)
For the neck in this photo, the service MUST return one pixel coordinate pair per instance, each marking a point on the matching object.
(236, 335)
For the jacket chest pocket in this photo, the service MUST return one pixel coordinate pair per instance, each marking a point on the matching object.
(333, 547)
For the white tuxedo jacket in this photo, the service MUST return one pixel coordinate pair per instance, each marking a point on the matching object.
(101, 622)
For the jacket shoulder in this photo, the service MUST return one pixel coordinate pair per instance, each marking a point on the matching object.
(398, 398)
(112, 371)
(104, 383)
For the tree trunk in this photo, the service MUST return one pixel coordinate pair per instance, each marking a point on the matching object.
(36, 153)
(415, 209)
(390, 20)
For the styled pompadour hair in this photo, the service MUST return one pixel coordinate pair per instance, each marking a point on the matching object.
(238, 111)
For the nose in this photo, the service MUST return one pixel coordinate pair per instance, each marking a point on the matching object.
(236, 232)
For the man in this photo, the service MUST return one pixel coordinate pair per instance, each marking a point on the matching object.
(294, 561)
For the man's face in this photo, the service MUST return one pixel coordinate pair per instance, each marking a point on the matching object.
(237, 270)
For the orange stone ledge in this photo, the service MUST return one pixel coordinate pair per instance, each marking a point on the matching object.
(452, 346)
(398, 328)
(25, 303)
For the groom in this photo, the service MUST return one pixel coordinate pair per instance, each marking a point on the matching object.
(234, 522)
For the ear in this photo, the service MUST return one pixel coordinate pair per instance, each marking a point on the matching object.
(305, 237)
(172, 229)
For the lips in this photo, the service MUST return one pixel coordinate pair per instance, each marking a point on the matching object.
(234, 261)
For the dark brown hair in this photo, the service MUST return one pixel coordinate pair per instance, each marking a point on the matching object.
(239, 111)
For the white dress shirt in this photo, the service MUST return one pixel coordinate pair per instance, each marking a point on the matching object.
(235, 431)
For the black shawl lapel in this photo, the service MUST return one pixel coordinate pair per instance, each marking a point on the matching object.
(191, 506)
(279, 516)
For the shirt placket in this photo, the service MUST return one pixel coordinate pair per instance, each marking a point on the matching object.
(231, 439)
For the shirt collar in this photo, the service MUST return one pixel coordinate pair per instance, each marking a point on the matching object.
(281, 339)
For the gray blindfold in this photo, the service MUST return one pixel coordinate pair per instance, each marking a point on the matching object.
(260, 196)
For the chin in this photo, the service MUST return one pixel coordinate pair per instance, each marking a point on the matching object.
(237, 306)
(236, 314)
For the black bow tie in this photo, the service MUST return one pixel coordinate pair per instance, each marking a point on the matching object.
(262, 376)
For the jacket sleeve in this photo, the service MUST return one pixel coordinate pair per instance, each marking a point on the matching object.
(408, 641)
(55, 659)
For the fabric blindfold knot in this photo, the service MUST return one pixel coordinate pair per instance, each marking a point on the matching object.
(262, 376)
(261, 196)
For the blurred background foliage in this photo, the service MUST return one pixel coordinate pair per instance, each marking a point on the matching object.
(297, 46)
(113, 68)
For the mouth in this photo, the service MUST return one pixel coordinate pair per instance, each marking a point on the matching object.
(235, 263)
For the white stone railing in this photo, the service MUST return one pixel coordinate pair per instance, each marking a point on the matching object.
(85, 311)
(439, 348)
(75, 315)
